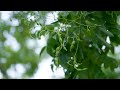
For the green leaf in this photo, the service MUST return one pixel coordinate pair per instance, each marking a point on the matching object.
(112, 50)
(50, 27)
(110, 62)
(51, 46)
(56, 61)
(115, 40)
(63, 60)
(32, 36)
(99, 37)
(96, 46)
(42, 50)
(106, 31)
(52, 66)
(81, 52)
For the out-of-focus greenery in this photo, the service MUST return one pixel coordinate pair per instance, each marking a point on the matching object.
(24, 56)
(76, 41)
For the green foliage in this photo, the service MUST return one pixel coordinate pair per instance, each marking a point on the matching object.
(77, 44)
(75, 41)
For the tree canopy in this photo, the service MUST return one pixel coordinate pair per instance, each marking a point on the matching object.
(82, 42)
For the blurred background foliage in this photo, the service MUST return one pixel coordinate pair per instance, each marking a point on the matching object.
(15, 49)
(84, 43)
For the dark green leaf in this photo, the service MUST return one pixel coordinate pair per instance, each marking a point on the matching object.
(42, 50)
(103, 41)
(106, 32)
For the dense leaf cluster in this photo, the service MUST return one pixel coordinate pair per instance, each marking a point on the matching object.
(78, 42)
